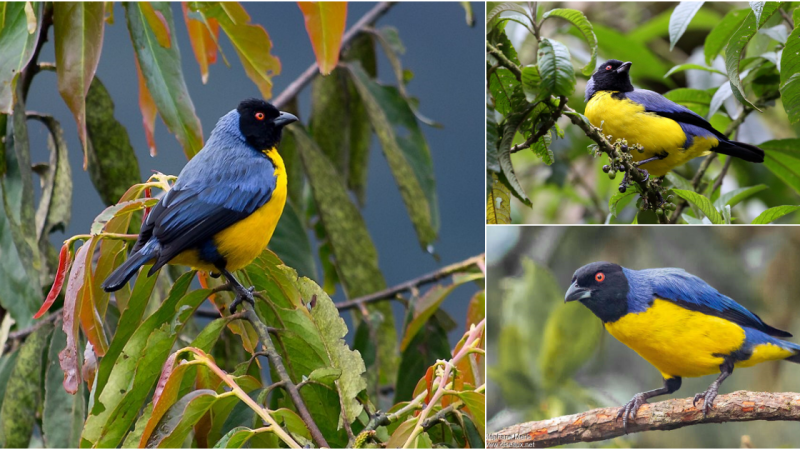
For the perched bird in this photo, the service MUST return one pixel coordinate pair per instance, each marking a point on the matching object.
(670, 133)
(222, 210)
(679, 324)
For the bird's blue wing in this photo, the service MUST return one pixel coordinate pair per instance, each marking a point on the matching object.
(693, 293)
(692, 123)
(207, 202)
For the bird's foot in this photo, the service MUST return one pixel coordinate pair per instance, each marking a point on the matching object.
(242, 295)
(630, 409)
(708, 397)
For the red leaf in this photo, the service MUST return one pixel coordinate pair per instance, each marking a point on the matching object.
(429, 383)
(64, 260)
(148, 108)
(157, 23)
(148, 194)
(325, 22)
(91, 321)
(203, 43)
(68, 358)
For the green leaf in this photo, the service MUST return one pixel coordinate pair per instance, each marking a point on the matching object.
(584, 26)
(703, 203)
(555, 68)
(645, 64)
(507, 175)
(235, 438)
(361, 49)
(531, 82)
(176, 424)
(163, 75)
(733, 53)
(329, 122)
(63, 416)
(476, 402)
(736, 196)
(679, 20)
(78, 33)
(763, 11)
(353, 249)
(501, 8)
(774, 214)
(682, 67)
(113, 166)
(503, 86)
(658, 26)
(693, 220)
(16, 48)
(23, 396)
(790, 77)
(136, 371)
(783, 159)
(54, 212)
(405, 149)
(720, 35)
(619, 200)
(777, 32)
(687, 96)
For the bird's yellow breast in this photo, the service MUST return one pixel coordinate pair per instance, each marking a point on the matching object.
(624, 119)
(677, 341)
(243, 241)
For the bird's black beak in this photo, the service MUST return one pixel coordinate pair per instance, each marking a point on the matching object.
(285, 119)
(576, 292)
(626, 66)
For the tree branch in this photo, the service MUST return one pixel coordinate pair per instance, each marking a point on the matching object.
(601, 424)
(411, 284)
(283, 375)
(298, 84)
(544, 129)
(505, 62)
(648, 187)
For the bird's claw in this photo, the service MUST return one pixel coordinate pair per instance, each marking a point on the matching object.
(708, 398)
(243, 295)
(630, 409)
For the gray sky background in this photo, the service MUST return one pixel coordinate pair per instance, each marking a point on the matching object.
(447, 59)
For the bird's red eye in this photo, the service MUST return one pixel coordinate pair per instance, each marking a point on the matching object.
(600, 277)
(608, 67)
(260, 115)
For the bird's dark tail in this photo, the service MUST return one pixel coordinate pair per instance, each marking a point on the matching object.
(740, 150)
(119, 277)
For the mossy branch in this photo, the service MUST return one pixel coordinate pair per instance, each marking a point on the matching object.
(601, 424)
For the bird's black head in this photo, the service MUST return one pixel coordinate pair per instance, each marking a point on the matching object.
(613, 75)
(261, 123)
(603, 288)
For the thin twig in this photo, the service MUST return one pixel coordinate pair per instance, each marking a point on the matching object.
(300, 82)
(411, 284)
(545, 128)
(601, 424)
(787, 18)
(269, 348)
(505, 62)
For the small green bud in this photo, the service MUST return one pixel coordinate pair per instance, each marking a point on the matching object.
(612, 174)
(659, 212)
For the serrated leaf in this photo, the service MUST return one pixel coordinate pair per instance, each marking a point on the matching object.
(773, 214)
(555, 68)
(679, 20)
(583, 25)
(703, 203)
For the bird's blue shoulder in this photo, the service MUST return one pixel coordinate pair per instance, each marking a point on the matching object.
(690, 292)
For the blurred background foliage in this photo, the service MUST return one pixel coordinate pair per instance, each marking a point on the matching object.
(573, 189)
(548, 359)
